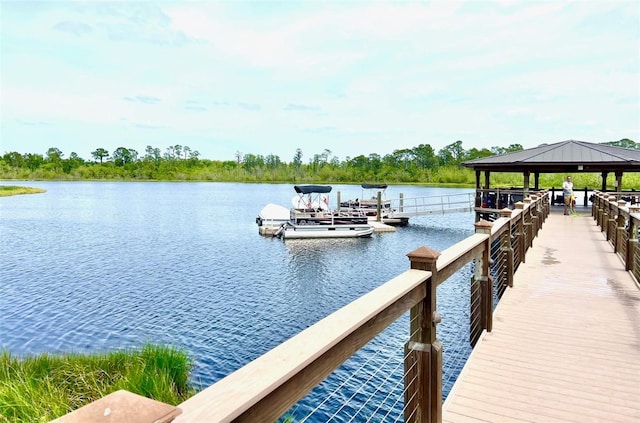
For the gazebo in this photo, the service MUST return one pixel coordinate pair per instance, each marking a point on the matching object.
(562, 157)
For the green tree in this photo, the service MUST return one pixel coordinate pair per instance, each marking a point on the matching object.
(122, 156)
(451, 154)
(73, 162)
(399, 159)
(33, 161)
(474, 153)
(14, 159)
(170, 154)
(272, 161)
(625, 143)
(326, 154)
(423, 155)
(504, 150)
(297, 158)
(100, 154)
(54, 155)
(178, 150)
(252, 161)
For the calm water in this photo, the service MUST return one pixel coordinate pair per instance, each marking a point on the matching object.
(98, 266)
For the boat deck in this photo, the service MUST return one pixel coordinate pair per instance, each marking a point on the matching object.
(378, 227)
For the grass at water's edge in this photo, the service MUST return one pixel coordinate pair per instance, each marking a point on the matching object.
(47, 386)
(6, 190)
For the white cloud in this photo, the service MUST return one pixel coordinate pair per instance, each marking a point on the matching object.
(370, 76)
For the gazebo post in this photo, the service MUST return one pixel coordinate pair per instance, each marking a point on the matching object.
(526, 183)
(478, 194)
(604, 181)
(487, 174)
(536, 181)
(618, 184)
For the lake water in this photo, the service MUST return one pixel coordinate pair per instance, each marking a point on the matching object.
(97, 266)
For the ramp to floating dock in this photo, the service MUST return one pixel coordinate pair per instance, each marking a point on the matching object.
(438, 204)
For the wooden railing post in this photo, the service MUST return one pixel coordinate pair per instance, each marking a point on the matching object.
(604, 214)
(521, 232)
(619, 226)
(611, 218)
(423, 352)
(632, 240)
(547, 204)
(528, 224)
(505, 245)
(535, 217)
(484, 276)
(600, 212)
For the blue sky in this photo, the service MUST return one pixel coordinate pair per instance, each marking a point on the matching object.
(357, 77)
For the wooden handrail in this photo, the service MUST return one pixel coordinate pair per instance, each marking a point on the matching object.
(620, 222)
(266, 388)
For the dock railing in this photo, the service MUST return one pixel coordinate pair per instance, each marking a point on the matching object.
(269, 386)
(620, 222)
(435, 204)
(266, 388)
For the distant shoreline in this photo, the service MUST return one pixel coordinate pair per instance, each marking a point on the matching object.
(7, 190)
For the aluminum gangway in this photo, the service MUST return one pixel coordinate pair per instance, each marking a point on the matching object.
(437, 204)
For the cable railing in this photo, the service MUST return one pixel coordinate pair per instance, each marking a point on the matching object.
(407, 377)
(618, 215)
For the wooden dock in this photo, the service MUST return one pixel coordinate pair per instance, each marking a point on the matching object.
(565, 344)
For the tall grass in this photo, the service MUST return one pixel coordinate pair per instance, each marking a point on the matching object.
(44, 387)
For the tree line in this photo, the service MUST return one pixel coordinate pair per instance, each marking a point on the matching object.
(420, 164)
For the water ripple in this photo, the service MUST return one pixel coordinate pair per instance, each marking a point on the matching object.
(98, 266)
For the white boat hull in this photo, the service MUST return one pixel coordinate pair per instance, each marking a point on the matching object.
(273, 216)
(290, 231)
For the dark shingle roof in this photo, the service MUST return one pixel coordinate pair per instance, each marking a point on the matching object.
(562, 156)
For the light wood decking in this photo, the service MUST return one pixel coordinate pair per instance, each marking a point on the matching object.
(565, 345)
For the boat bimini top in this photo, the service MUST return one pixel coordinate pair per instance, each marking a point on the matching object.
(375, 186)
(312, 189)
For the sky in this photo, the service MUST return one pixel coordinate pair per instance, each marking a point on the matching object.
(351, 77)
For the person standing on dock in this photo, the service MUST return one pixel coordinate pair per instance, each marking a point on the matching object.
(567, 192)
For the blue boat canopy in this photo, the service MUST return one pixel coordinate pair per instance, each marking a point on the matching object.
(374, 186)
(312, 189)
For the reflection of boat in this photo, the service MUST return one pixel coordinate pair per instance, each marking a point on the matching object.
(368, 205)
(311, 217)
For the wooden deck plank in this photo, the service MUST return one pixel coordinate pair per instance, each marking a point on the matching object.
(536, 387)
(565, 344)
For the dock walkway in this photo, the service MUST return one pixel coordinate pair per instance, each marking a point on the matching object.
(565, 344)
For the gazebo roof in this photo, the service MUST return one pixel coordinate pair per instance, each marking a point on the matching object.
(564, 156)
